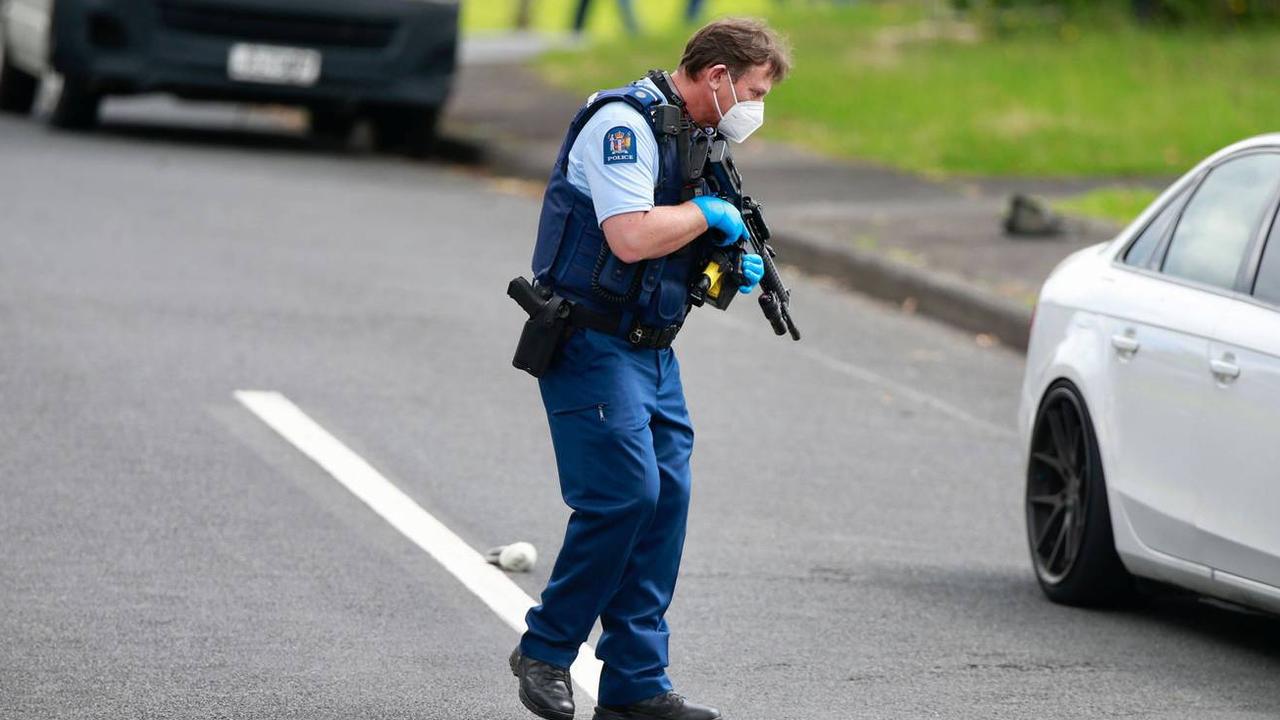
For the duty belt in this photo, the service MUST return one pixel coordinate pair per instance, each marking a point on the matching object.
(640, 336)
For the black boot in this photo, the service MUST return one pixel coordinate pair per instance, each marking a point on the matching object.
(545, 689)
(669, 705)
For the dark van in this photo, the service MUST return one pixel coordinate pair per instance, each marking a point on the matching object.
(390, 61)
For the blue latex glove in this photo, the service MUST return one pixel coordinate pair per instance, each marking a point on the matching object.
(723, 216)
(753, 269)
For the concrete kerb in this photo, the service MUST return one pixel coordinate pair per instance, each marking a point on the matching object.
(933, 294)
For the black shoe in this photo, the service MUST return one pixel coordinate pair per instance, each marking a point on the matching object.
(669, 705)
(545, 689)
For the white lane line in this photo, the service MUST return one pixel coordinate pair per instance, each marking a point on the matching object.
(485, 581)
(872, 377)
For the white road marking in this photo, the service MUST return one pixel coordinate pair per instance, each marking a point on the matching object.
(485, 581)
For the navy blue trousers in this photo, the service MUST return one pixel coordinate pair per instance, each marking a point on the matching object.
(623, 441)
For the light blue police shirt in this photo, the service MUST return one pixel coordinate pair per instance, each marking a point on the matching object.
(615, 159)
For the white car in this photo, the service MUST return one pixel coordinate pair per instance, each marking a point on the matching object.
(1151, 403)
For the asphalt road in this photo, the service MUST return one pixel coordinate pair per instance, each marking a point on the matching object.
(855, 548)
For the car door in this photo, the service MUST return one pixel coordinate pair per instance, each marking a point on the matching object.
(1239, 507)
(1184, 268)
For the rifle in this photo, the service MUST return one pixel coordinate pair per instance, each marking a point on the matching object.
(711, 286)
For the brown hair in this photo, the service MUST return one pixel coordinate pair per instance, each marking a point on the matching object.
(740, 44)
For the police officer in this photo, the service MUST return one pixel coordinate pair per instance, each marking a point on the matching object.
(621, 225)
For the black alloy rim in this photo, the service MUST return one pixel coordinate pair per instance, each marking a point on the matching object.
(1057, 486)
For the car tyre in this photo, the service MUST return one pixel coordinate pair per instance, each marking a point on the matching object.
(411, 131)
(17, 88)
(1068, 517)
(76, 107)
(332, 127)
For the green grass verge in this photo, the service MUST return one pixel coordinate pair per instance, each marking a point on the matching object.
(1119, 203)
(604, 22)
(888, 83)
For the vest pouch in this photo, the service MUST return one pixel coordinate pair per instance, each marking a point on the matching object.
(673, 299)
(672, 286)
(613, 280)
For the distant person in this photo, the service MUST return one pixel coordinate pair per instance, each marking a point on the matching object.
(625, 9)
(693, 10)
(624, 220)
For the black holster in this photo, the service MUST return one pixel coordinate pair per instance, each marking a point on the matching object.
(544, 331)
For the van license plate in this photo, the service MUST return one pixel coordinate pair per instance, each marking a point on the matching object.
(273, 64)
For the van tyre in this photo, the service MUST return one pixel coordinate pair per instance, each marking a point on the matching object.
(408, 130)
(1069, 532)
(17, 88)
(332, 126)
(77, 105)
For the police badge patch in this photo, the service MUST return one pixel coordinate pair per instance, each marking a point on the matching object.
(619, 146)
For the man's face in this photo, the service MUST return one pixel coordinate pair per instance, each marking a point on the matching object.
(754, 84)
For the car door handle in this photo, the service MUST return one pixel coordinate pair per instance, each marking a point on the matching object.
(1224, 369)
(1125, 344)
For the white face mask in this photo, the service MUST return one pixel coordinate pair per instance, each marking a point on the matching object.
(744, 118)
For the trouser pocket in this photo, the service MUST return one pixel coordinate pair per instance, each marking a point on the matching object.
(596, 409)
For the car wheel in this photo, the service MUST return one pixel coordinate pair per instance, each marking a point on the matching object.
(17, 88)
(411, 131)
(1068, 518)
(76, 107)
(332, 127)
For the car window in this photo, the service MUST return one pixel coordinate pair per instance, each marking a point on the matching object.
(1267, 286)
(1139, 253)
(1215, 229)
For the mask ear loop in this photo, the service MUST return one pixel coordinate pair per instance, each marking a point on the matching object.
(715, 96)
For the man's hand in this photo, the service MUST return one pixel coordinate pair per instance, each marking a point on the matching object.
(723, 216)
(753, 271)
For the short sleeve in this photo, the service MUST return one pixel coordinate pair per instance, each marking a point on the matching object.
(614, 160)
